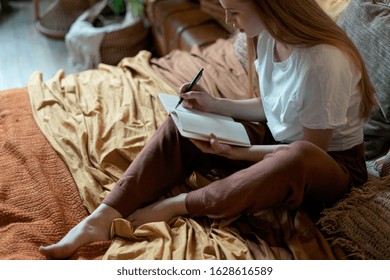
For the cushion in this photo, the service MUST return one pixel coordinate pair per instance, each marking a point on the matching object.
(367, 23)
(334, 8)
(382, 165)
(240, 49)
(359, 223)
(376, 134)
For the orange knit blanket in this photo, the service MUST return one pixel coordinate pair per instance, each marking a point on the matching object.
(39, 201)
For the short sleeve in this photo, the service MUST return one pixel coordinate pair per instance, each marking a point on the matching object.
(326, 88)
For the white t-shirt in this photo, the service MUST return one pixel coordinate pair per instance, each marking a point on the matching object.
(316, 87)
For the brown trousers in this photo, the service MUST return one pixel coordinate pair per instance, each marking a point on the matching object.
(291, 175)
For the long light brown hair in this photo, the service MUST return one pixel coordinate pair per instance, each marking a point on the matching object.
(305, 23)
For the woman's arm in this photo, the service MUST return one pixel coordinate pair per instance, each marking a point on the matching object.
(199, 99)
(246, 110)
(319, 137)
(254, 153)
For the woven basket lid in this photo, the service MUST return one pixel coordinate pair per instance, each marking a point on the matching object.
(59, 16)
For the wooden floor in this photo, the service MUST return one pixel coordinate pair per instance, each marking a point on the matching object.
(23, 49)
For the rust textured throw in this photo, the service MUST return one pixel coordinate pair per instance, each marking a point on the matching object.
(39, 201)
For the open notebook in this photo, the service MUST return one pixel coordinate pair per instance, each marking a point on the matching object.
(199, 125)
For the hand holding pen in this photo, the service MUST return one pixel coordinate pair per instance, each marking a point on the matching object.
(193, 83)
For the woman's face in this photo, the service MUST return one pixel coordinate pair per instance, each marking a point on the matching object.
(242, 14)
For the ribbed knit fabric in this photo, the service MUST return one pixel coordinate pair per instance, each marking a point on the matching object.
(39, 201)
(360, 222)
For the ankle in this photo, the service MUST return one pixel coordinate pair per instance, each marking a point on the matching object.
(178, 205)
(106, 213)
(102, 219)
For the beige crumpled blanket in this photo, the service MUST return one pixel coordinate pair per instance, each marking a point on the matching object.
(98, 120)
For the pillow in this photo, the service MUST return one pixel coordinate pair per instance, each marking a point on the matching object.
(240, 49)
(334, 8)
(367, 23)
(376, 134)
(382, 165)
(359, 223)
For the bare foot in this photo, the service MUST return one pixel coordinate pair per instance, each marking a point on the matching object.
(162, 210)
(95, 227)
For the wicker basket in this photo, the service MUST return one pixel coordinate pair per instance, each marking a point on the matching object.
(114, 36)
(55, 22)
(124, 42)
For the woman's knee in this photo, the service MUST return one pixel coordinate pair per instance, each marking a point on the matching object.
(169, 124)
(168, 128)
(304, 149)
(298, 150)
(319, 164)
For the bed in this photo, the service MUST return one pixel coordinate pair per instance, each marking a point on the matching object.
(65, 142)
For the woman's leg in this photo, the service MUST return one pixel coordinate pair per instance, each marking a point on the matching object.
(96, 227)
(164, 162)
(166, 209)
(167, 160)
(286, 176)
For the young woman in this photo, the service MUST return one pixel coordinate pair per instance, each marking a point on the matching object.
(306, 146)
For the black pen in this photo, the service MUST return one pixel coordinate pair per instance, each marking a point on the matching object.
(193, 83)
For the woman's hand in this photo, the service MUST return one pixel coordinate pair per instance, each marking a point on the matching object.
(253, 153)
(213, 146)
(198, 98)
